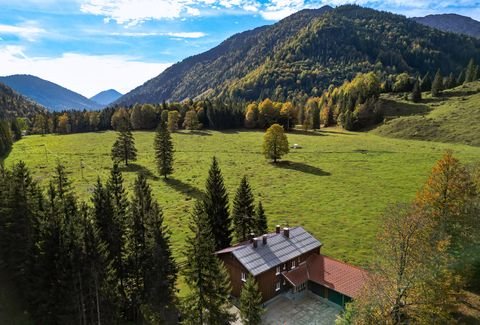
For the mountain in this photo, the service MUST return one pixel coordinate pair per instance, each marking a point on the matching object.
(451, 23)
(304, 53)
(13, 104)
(106, 97)
(48, 94)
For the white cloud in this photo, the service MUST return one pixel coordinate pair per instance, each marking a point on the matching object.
(171, 34)
(29, 31)
(85, 74)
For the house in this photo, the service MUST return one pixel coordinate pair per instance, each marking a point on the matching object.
(289, 261)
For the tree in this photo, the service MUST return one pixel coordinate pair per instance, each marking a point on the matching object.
(121, 120)
(216, 207)
(288, 112)
(411, 281)
(173, 118)
(251, 116)
(243, 214)
(251, 309)
(191, 120)
(416, 95)
(260, 220)
(275, 143)
(124, 148)
(63, 125)
(163, 150)
(437, 85)
(209, 283)
(470, 74)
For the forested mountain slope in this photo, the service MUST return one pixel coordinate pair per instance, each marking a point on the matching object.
(452, 23)
(303, 54)
(52, 96)
(13, 104)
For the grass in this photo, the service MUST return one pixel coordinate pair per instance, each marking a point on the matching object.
(336, 186)
(451, 118)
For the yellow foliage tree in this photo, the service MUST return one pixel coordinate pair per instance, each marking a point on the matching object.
(275, 143)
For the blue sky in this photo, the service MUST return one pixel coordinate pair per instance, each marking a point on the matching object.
(93, 45)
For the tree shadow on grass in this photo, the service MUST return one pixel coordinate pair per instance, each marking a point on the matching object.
(135, 168)
(301, 167)
(185, 188)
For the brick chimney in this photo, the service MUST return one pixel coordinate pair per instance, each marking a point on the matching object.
(286, 232)
(264, 239)
(255, 242)
(277, 229)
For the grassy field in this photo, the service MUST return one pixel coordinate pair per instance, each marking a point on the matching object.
(454, 117)
(336, 186)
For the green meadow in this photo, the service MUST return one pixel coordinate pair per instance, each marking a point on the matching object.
(336, 186)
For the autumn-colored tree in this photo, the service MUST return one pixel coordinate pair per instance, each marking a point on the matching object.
(410, 282)
(173, 118)
(288, 112)
(275, 143)
(268, 112)
(191, 120)
(251, 116)
(121, 120)
(63, 124)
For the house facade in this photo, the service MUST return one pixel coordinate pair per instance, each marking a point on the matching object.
(289, 261)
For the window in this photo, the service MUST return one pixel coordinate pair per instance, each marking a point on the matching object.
(277, 286)
(244, 276)
(293, 264)
(277, 270)
(284, 266)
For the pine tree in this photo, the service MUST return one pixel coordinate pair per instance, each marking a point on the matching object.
(163, 150)
(426, 83)
(437, 85)
(461, 77)
(251, 309)
(208, 280)
(470, 74)
(216, 207)
(124, 148)
(243, 214)
(416, 95)
(260, 219)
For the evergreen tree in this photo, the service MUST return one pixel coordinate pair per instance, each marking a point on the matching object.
(251, 309)
(124, 148)
(260, 219)
(163, 150)
(426, 83)
(216, 207)
(470, 74)
(208, 280)
(416, 95)
(315, 118)
(16, 131)
(243, 214)
(461, 77)
(437, 85)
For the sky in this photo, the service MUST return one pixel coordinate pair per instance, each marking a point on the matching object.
(93, 45)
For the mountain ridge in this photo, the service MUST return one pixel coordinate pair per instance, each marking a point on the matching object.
(13, 105)
(453, 23)
(106, 97)
(50, 95)
(306, 52)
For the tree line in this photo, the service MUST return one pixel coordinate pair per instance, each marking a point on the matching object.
(10, 131)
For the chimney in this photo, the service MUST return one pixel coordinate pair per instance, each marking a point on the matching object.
(286, 232)
(264, 239)
(277, 229)
(255, 242)
(251, 236)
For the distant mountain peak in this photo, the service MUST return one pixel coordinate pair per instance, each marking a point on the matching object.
(50, 95)
(106, 97)
(453, 23)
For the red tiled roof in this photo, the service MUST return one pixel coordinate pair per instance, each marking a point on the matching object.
(338, 276)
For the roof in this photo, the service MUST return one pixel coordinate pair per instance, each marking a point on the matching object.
(279, 249)
(338, 276)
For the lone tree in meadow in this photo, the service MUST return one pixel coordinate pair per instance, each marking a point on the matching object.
(124, 148)
(275, 143)
(163, 150)
(251, 309)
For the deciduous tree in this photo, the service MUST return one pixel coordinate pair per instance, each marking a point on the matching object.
(275, 143)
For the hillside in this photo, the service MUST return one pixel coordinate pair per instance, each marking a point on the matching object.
(453, 118)
(305, 53)
(48, 94)
(13, 104)
(451, 23)
(106, 97)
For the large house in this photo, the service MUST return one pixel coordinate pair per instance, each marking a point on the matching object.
(289, 261)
